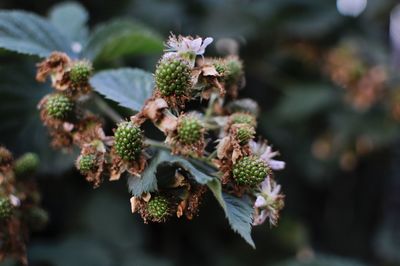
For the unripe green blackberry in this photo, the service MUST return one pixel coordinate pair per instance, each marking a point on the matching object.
(59, 106)
(5, 208)
(28, 163)
(234, 68)
(243, 118)
(128, 140)
(86, 163)
(158, 208)
(80, 72)
(172, 77)
(244, 133)
(249, 171)
(190, 130)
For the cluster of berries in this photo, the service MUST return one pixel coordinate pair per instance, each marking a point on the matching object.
(219, 132)
(20, 212)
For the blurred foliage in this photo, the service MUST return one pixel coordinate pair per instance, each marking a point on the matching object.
(341, 182)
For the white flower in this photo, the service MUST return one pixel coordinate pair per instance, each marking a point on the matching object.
(268, 203)
(186, 46)
(266, 154)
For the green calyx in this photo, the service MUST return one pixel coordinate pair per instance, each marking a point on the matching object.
(28, 163)
(158, 208)
(249, 171)
(190, 130)
(86, 163)
(59, 106)
(173, 77)
(128, 141)
(5, 208)
(243, 118)
(80, 72)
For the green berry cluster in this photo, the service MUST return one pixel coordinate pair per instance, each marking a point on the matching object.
(28, 163)
(86, 163)
(158, 208)
(243, 118)
(5, 208)
(249, 171)
(172, 77)
(59, 106)
(190, 130)
(244, 133)
(128, 140)
(80, 72)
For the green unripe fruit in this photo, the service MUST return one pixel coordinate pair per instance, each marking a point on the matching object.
(244, 133)
(80, 72)
(243, 118)
(28, 163)
(5, 208)
(190, 130)
(220, 67)
(249, 171)
(172, 77)
(59, 106)
(86, 163)
(158, 207)
(234, 68)
(128, 140)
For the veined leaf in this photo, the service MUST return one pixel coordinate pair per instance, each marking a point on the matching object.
(70, 19)
(21, 128)
(129, 87)
(147, 182)
(119, 38)
(239, 212)
(26, 33)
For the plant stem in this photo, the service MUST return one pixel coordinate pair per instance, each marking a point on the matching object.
(107, 110)
(157, 144)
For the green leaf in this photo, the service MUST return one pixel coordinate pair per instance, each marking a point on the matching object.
(239, 212)
(147, 182)
(129, 87)
(216, 188)
(118, 38)
(70, 18)
(21, 129)
(28, 33)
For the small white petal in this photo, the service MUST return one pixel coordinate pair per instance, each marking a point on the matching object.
(276, 165)
(195, 44)
(266, 185)
(207, 41)
(260, 202)
(15, 201)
